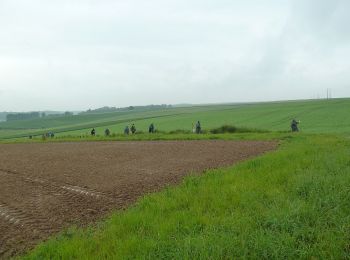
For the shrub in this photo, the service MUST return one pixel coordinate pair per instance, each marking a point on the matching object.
(233, 129)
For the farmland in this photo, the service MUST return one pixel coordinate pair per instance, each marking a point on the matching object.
(317, 116)
(291, 201)
(98, 177)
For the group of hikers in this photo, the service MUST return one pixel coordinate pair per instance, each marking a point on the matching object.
(127, 130)
(196, 128)
(132, 129)
(46, 135)
(107, 132)
(151, 129)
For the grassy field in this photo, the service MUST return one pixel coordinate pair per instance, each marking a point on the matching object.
(290, 203)
(317, 116)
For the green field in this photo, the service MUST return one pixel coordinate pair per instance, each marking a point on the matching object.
(290, 203)
(317, 116)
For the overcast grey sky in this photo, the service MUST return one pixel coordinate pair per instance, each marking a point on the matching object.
(72, 55)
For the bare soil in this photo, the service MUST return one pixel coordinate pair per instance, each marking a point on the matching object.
(46, 188)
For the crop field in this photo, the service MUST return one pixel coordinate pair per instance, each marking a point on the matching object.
(262, 192)
(317, 116)
(53, 186)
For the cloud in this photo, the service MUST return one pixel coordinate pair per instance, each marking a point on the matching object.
(94, 53)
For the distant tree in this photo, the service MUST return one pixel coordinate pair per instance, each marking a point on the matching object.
(67, 113)
(43, 114)
(22, 116)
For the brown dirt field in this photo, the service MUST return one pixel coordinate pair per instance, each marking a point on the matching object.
(47, 187)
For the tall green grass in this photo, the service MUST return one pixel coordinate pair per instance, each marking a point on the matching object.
(291, 203)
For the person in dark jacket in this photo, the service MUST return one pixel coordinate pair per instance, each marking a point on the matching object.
(107, 132)
(294, 125)
(151, 129)
(93, 132)
(198, 128)
(133, 129)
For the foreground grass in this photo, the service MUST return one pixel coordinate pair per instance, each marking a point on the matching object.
(292, 203)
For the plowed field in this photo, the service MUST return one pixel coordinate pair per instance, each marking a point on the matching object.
(45, 188)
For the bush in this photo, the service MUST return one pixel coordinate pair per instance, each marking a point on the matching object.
(233, 129)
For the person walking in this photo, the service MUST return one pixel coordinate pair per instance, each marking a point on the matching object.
(193, 128)
(294, 125)
(126, 130)
(133, 129)
(151, 129)
(93, 132)
(198, 128)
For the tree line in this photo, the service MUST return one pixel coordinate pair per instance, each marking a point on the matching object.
(33, 115)
(22, 116)
(107, 109)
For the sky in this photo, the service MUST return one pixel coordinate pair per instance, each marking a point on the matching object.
(81, 54)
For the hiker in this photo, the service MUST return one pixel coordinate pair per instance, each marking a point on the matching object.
(133, 129)
(151, 128)
(93, 132)
(294, 126)
(126, 130)
(198, 128)
(107, 132)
